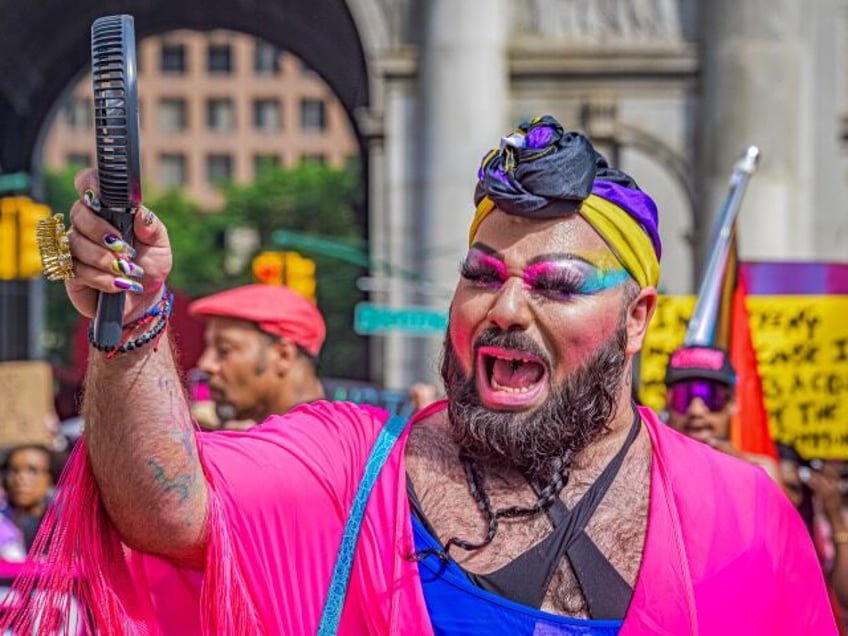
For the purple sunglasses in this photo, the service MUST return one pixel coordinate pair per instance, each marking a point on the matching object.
(714, 395)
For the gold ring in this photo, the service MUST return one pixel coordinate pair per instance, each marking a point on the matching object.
(55, 249)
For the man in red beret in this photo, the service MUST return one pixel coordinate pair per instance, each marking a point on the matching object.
(262, 347)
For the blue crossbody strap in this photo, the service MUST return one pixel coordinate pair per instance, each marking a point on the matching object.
(333, 605)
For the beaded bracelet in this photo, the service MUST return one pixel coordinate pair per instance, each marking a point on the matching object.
(155, 310)
(163, 313)
(142, 340)
(160, 312)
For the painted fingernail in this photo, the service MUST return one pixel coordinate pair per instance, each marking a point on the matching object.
(115, 243)
(147, 216)
(124, 266)
(91, 199)
(128, 285)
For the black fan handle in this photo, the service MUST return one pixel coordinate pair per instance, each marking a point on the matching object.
(109, 320)
(113, 58)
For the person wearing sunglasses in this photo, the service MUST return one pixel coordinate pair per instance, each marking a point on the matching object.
(701, 400)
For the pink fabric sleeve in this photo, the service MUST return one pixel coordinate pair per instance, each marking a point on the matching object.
(285, 487)
(750, 555)
(725, 553)
(799, 574)
(757, 566)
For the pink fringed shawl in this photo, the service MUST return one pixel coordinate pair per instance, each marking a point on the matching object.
(725, 553)
(85, 565)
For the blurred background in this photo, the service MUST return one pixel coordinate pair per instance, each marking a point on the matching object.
(333, 146)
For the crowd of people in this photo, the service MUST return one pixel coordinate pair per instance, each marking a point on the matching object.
(535, 497)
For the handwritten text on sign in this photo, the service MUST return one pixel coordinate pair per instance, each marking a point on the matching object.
(802, 351)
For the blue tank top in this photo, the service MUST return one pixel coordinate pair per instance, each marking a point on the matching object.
(457, 607)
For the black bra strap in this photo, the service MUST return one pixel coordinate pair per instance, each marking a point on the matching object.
(527, 578)
(570, 525)
(606, 592)
(582, 512)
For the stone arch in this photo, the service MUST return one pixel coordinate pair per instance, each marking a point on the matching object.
(663, 154)
(669, 180)
(372, 25)
(336, 39)
(376, 37)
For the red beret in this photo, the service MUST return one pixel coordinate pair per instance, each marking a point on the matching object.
(275, 309)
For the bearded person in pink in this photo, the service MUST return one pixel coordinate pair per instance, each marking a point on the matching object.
(536, 499)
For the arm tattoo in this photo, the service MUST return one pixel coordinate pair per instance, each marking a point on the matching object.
(182, 483)
(143, 453)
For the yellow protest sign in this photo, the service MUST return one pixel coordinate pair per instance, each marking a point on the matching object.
(665, 334)
(802, 354)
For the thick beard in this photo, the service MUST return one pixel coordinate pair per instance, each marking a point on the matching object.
(547, 439)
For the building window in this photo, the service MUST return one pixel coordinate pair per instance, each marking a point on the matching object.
(219, 59)
(79, 159)
(313, 115)
(172, 170)
(173, 114)
(266, 115)
(266, 58)
(219, 168)
(78, 115)
(314, 158)
(220, 114)
(173, 58)
(265, 162)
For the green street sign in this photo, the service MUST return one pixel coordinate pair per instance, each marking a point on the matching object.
(14, 182)
(414, 321)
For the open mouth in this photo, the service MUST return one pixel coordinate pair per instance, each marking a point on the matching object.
(509, 379)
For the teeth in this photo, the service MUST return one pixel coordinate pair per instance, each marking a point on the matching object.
(509, 389)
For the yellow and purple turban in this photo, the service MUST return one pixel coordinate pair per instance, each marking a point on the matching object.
(541, 171)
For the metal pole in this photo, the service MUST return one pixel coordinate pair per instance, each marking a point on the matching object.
(702, 325)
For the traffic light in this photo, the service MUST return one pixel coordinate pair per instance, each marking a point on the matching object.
(286, 268)
(8, 238)
(299, 274)
(19, 256)
(29, 258)
(268, 268)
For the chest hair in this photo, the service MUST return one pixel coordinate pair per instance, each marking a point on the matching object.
(617, 527)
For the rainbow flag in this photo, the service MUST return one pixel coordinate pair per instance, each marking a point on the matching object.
(749, 430)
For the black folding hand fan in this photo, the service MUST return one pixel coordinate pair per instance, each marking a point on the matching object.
(113, 75)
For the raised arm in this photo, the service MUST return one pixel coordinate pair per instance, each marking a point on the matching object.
(139, 433)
